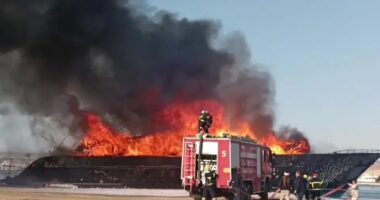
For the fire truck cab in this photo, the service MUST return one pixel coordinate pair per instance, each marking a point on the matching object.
(225, 154)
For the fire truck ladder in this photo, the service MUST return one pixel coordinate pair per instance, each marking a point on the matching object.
(189, 164)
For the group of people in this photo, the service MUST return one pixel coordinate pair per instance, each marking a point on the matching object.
(304, 186)
(309, 187)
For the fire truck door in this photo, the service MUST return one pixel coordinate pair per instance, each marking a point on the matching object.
(235, 155)
(258, 160)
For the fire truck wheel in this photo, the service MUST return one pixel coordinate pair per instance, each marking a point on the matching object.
(229, 197)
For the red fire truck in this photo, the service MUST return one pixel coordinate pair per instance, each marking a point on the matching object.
(223, 154)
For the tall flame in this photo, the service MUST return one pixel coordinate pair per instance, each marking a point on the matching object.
(180, 120)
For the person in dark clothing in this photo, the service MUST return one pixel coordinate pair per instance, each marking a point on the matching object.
(204, 121)
(307, 186)
(267, 188)
(236, 184)
(210, 184)
(299, 185)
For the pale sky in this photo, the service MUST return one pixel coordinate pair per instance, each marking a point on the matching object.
(324, 56)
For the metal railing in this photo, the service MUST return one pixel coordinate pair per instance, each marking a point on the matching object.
(357, 151)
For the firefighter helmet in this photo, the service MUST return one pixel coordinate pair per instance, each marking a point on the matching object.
(204, 112)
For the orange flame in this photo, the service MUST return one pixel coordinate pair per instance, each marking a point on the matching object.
(181, 118)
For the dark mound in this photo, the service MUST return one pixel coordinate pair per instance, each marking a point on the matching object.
(136, 172)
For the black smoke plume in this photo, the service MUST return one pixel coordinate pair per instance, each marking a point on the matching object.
(122, 62)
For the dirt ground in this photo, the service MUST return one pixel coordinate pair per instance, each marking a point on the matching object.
(27, 194)
(9, 193)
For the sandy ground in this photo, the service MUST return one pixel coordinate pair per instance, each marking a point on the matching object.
(86, 194)
(8, 193)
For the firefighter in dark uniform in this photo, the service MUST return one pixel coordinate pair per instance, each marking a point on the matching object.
(210, 183)
(299, 185)
(204, 121)
(315, 187)
(237, 185)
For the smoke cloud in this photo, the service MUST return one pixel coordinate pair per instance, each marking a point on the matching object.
(119, 60)
(323, 147)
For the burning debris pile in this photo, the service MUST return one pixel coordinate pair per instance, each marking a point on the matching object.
(101, 140)
(116, 78)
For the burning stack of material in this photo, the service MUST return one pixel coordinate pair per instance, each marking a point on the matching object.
(67, 65)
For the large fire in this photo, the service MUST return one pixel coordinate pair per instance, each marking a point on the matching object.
(181, 118)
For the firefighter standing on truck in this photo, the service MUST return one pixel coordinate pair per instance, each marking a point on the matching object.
(204, 121)
(315, 186)
(210, 183)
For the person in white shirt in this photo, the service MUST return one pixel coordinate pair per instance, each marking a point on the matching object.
(354, 190)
